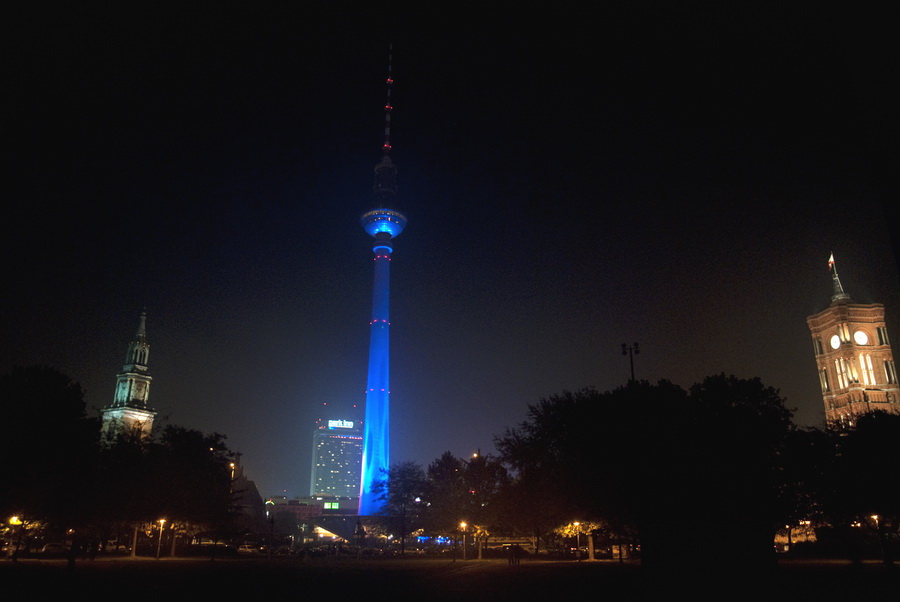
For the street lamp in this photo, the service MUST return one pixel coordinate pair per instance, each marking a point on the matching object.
(360, 535)
(630, 352)
(15, 521)
(462, 527)
(577, 526)
(162, 523)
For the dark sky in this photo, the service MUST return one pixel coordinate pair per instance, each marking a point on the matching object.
(575, 178)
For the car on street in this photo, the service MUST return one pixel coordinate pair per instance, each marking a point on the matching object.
(54, 549)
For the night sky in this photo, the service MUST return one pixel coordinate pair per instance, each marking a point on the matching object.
(574, 179)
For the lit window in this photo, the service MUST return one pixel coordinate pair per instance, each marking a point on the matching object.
(865, 365)
(841, 373)
(823, 380)
(890, 371)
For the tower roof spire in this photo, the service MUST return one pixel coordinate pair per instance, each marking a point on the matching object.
(142, 327)
(139, 349)
(837, 291)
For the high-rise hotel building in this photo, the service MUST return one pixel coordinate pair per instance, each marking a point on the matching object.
(336, 459)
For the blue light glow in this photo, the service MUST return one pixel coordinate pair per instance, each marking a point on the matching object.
(385, 221)
(382, 224)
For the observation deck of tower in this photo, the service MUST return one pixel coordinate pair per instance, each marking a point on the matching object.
(383, 224)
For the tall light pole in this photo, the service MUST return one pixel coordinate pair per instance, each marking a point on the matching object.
(162, 523)
(577, 526)
(16, 521)
(630, 352)
(462, 527)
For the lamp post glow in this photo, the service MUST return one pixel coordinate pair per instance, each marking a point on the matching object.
(577, 539)
(15, 521)
(462, 527)
(162, 523)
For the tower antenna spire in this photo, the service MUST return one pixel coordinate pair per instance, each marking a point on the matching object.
(385, 186)
(386, 148)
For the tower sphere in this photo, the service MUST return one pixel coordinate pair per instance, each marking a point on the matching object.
(383, 220)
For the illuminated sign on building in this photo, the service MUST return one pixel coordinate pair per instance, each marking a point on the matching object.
(340, 424)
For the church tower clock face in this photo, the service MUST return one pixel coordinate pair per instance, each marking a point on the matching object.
(860, 337)
(835, 341)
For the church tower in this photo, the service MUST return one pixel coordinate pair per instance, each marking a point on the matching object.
(853, 355)
(129, 412)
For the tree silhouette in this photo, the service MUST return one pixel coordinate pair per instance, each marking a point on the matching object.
(63, 477)
(688, 471)
(445, 493)
(49, 442)
(865, 494)
(401, 490)
(464, 491)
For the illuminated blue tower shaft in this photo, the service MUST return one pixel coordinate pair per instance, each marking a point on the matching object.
(382, 225)
(376, 438)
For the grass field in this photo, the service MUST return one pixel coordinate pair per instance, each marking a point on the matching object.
(132, 580)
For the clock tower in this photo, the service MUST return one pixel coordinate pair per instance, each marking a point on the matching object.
(853, 355)
(130, 412)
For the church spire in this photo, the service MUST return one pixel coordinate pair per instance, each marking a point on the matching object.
(139, 350)
(837, 291)
(130, 411)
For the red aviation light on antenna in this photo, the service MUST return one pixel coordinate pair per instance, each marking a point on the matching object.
(388, 107)
(390, 81)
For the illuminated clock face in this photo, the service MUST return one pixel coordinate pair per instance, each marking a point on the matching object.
(835, 342)
(860, 337)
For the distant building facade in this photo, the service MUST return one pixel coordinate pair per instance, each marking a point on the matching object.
(336, 459)
(856, 366)
(314, 520)
(130, 412)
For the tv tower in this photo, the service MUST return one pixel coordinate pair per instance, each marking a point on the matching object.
(383, 224)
